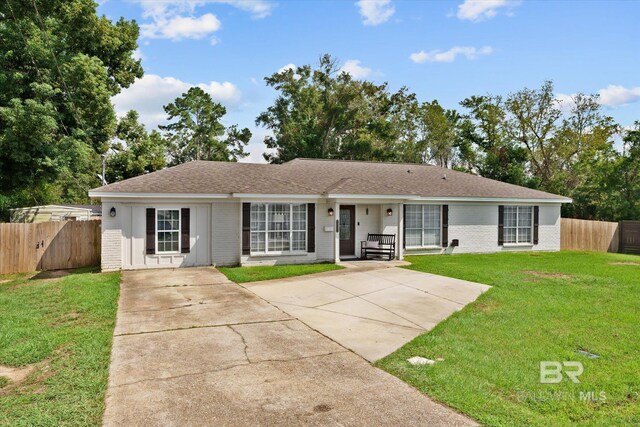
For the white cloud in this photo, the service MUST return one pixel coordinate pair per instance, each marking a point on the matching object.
(616, 95)
(357, 71)
(177, 19)
(256, 146)
(150, 93)
(451, 54)
(479, 10)
(181, 27)
(257, 8)
(287, 67)
(375, 12)
(612, 96)
(566, 102)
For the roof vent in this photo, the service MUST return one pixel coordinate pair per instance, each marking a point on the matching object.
(409, 171)
(444, 176)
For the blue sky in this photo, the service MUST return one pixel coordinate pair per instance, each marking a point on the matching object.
(444, 50)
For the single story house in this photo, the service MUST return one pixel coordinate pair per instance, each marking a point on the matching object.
(55, 213)
(305, 210)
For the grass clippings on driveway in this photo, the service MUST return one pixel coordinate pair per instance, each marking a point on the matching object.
(543, 307)
(269, 272)
(61, 327)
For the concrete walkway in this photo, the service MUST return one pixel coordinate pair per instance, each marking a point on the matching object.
(370, 308)
(191, 348)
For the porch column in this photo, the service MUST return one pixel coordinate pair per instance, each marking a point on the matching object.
(336, 232)
(400, 238)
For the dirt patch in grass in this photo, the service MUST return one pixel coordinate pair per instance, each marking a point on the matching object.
(16, 375)
(624, 263)
(546, 275)
(485, 306)
(53, 274)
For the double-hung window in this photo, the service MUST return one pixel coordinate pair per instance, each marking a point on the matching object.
(168, 230)
(518, 224)
(278, 227)
(422, 225)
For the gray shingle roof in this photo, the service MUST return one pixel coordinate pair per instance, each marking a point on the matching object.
(321, 177)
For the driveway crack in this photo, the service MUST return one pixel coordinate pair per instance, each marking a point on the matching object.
(244, 342)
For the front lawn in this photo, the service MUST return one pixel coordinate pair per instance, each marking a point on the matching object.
(60, 330)
(255, 274)
(543, 307)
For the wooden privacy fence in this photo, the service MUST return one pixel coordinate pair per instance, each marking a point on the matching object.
(584, 235)
(49, 246)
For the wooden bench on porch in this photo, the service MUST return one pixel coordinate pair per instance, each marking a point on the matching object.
(378, 244)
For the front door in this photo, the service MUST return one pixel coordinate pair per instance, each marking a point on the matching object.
(347, 230)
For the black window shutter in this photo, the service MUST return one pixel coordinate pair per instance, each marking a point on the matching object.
(185, 230)
(311, 227)
(246, 228)
(500, 225)
(151, 231)
(445, 226)
(536, 220)
(404, 226)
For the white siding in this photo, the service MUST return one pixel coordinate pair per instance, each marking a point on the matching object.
(324, 238)
(226, 233)
(134, 223)
(390, 223)
(366, 223)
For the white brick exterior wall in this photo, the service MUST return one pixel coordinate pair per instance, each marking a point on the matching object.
(111, 257)
(324, 243)
(475, 225)
(216, 232)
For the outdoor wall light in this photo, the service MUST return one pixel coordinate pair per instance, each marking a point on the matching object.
(112, 212)
(330, 211)
(389, 212)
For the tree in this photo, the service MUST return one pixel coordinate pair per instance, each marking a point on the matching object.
(196, 133)
(555, 146)
(135, 151)
(325, 113)
(485, 145)
(629, 172)
(60, 64)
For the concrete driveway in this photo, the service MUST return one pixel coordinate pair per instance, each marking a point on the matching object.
(191, 348)
(370, 309)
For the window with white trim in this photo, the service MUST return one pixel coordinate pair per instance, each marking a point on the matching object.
(278, 227)
(167, 230)
(518, 224)
(423, 224)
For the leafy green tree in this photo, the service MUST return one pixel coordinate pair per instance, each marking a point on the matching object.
(485, 145)
(325, 113)
(556, 145)
(629, 172)
(59, 66)
(196, 133)
(135, 151)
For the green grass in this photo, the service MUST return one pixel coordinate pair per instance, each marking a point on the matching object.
(64, 327)
(255, 274)
(543, 307)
